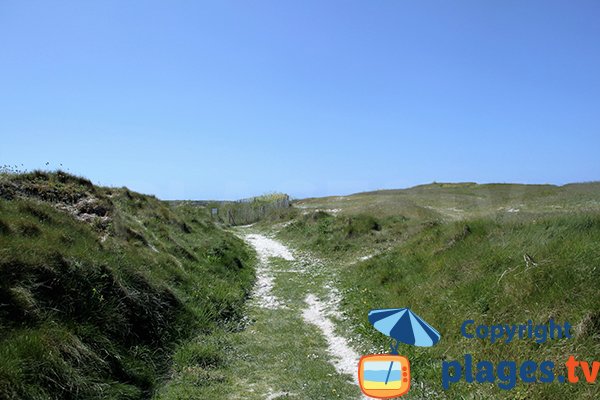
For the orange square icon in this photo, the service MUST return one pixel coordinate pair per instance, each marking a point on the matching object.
(384, 376)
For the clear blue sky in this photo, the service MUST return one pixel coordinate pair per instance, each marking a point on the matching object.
(224, 99)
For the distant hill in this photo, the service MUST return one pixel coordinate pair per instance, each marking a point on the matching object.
(460, 200)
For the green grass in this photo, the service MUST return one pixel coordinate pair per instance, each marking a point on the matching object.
(275, 353)
(345, 234)
(101, 286)
(449, 266)
(107, 293)
(451, 201)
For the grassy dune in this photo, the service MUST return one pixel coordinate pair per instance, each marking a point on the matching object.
(107, 293)
(101, 286)
(452, 252)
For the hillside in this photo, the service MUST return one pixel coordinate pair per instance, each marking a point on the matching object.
(495, 253)
(101, 286)
(460, 200)
(107, 293)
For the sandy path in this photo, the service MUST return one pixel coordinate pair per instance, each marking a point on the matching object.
(265, 249)
(315, 311)
(345, 359)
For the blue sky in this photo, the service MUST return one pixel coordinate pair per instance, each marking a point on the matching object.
(228, 99)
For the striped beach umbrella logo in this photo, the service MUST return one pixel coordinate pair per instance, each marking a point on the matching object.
(404, 326)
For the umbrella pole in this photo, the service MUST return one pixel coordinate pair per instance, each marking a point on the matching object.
(389, 372)
(394, 351)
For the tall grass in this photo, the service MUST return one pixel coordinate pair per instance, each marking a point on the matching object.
(491, 266)
(270, 207)
(99, 285)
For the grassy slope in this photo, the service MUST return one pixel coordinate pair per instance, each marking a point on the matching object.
(453, 252)
(99, 285)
